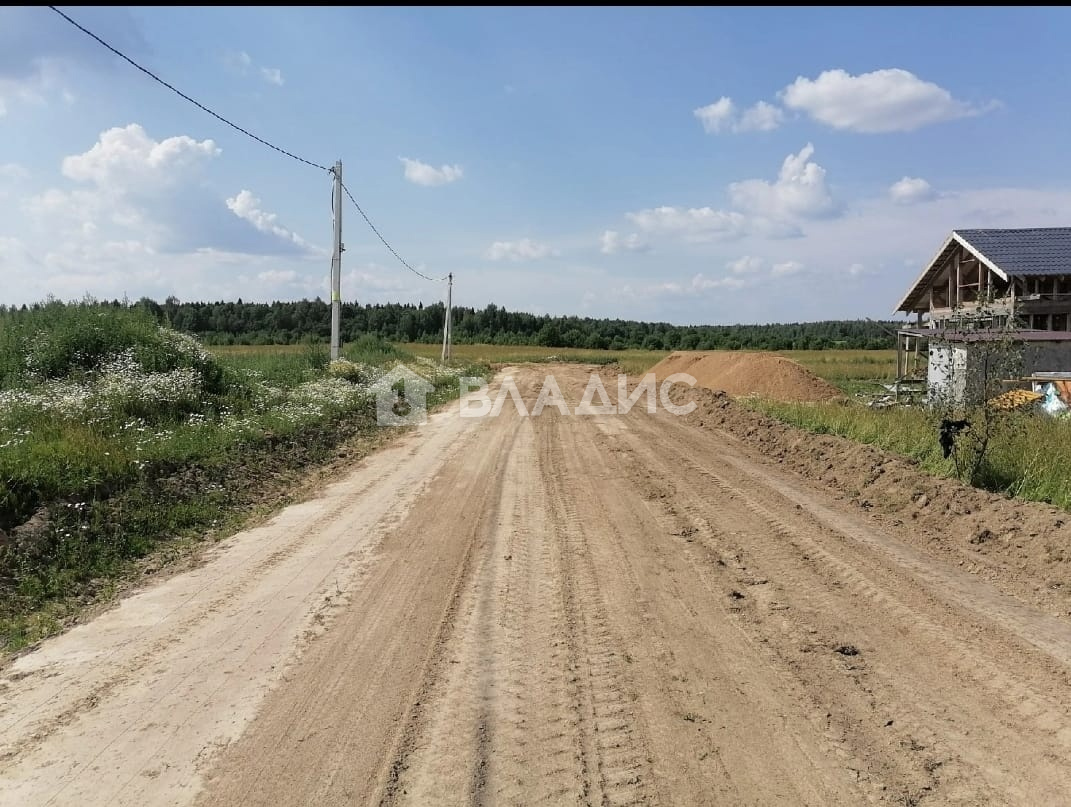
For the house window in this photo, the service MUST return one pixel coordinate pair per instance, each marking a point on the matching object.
(1059, 322)
(1040, 322)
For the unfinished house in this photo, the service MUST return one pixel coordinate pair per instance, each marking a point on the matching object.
(992, 310)
(979, 277)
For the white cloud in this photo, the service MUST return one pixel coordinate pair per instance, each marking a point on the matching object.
(857, 269)
(243, 64)
(786, 268)
(721, 117)
(762, 117)
(717, 116)
(246, 206)
(13, 171)
(135, 188)
(272, 75)
(891, 100)
(42, 81)
(38, 58)
(910, 190)
(799, 191)
(373, 282)
(133, 182)
(701, 283)
(744, 266)
(423, 174)
(612, 243)
(672, 288)
(696, 223)
(760, 207)
(14, 254)
(129, 156)
(238, 61)
(523, 250)
(277, 277)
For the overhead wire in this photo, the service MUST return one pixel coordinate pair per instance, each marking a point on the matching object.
(393, 251)
(181, 94)
(250, 135)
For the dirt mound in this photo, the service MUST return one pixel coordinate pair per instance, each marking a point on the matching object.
(763, 374)
(1021, 547)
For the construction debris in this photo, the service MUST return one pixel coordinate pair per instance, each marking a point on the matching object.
(1015, 399)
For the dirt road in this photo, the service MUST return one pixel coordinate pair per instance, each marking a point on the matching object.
(553, 610)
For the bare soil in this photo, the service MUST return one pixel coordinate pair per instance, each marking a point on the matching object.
(635, 609)
(742, 373)
(1023, 548)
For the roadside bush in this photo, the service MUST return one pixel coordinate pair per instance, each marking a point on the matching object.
(352, 372)
(371, 349)
(117, 435)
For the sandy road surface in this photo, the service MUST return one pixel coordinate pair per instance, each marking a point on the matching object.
(552, 610)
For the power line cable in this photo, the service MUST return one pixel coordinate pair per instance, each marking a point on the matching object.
(247, 133)
(393, 251)
(181, 94)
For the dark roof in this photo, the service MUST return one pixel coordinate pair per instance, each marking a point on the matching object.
(1034, 251)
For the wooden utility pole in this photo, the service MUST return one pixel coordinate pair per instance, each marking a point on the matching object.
(447, 335)
(336, 262)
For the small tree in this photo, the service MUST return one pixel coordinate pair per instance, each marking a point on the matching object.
(971, 418)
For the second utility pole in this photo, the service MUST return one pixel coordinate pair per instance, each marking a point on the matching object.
(336, 262)
(446, 325)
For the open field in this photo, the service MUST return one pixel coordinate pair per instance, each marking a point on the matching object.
(850, 370)
(613, 609)
(632, 361)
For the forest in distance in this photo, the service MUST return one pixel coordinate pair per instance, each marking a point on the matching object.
(295, 322)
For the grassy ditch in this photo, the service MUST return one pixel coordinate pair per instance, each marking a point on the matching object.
(1028, 457)
(120, 439)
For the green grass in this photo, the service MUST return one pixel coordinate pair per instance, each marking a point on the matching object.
(120, 439)
(285, 364)
(850, 370)
(633, 362)
(1029, 456)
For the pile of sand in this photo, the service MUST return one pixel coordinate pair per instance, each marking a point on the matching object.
(737, 373)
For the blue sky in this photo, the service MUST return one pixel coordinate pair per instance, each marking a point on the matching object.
(689, 165)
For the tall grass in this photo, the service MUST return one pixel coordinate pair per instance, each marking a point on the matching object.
(1029, 456)
(287, 364)
(117, 434)
(850, 370)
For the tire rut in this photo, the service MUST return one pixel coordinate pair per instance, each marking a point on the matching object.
(503, 728)
(612, 749)
(699, 683)
(818, 559)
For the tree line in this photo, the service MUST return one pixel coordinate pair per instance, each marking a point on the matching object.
(238, 322)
